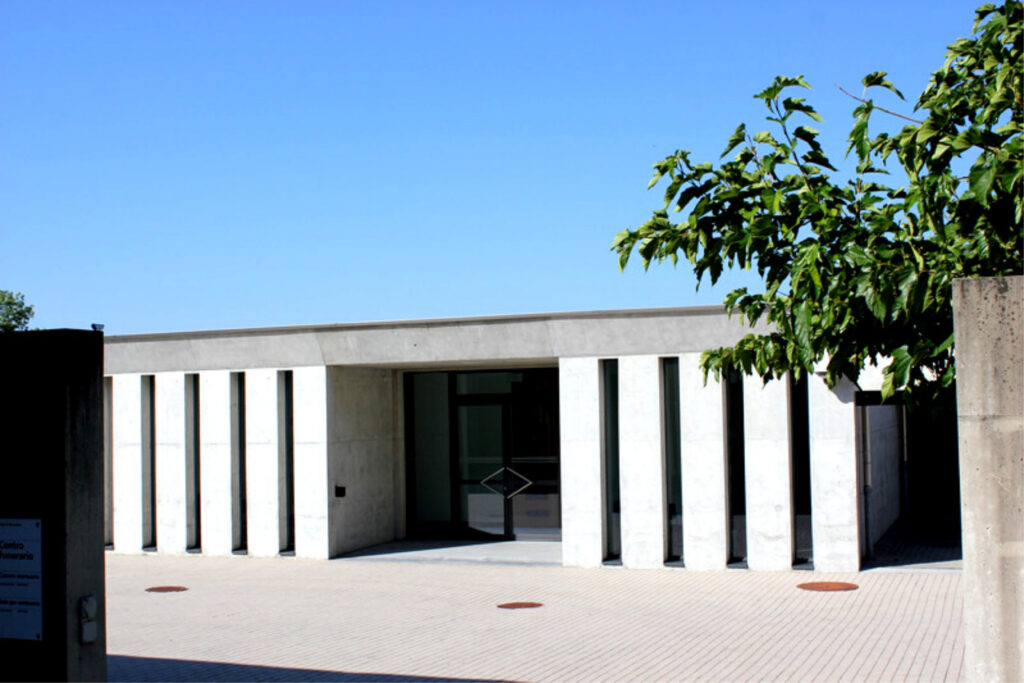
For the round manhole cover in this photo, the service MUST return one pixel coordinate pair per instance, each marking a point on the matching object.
(166, 589)
(520, 605)
(828, 586)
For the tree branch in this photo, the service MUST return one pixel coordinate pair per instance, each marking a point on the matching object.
(887, 111)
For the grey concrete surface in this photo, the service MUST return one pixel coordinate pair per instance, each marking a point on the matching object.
(344, 620)
(989, 325)
(536, 339)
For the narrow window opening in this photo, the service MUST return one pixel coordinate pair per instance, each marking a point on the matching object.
(800, 454)
(286, 459)
(193, 509)
(108, 462)
(610, 448)
(671, 438)
(239, 523)
(735, 468)
(149, 463)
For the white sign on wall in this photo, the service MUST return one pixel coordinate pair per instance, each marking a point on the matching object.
(21, 579)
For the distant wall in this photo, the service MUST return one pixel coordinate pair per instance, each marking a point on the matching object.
(884, 452)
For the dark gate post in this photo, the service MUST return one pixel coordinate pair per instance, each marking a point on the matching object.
(52, 613)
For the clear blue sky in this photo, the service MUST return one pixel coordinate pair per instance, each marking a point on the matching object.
(194, 165)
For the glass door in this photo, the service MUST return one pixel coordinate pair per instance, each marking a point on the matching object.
(481, 457)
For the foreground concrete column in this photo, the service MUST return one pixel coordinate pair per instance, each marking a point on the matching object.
(312, 487)
(216, 474)
(127, 462)
(642, 462)
(262, 468)
(768, 478)
(702, 421)
(835, 484)
(171, 521)
(579, 409)
(989, 325)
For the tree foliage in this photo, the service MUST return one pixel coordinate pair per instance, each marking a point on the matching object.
(14, 312)
(857, 270)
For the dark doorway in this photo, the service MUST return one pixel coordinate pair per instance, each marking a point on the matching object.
(482, 454)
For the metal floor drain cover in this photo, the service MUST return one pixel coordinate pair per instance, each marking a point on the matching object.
(166, 589)
(828, 586)
(520, 605)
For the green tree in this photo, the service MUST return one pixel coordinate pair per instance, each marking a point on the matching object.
(855, 270)
(14, 312)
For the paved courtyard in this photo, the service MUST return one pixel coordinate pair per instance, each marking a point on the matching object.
(368, 619)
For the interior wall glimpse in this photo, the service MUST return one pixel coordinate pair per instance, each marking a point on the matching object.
(610, 452)
(108, 462)
(671, 445)
(239, 522)
(800, 460)
(286, 458)
(735, 466)
(193, 509)
(148, 407)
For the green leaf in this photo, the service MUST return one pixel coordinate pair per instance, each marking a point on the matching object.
(897, 373)
(738, 136)
(980, 181)
(878, 79)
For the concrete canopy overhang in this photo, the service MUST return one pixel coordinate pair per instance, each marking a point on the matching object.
(482, 342)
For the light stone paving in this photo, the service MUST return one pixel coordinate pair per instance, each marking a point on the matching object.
(293, 619)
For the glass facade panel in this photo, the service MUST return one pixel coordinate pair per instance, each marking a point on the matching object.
(673, 460)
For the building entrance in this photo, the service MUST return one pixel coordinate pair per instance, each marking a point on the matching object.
(482, 454)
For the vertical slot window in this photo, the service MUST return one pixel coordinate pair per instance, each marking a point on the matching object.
(148, 462)
(800, 455)
(286, 458)
(108, 462)
(610, 449)
(239, 523)
(671, 438)
(193, 509)
(736, 468)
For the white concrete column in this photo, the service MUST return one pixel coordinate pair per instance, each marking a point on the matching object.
(768, 474)
(312, 487)
(262, 472)
(127, 462)
(641, 462)
(705, 515)
(361, 457)
(835, 484)
(215, 466)
(579, 406)
(171, 489)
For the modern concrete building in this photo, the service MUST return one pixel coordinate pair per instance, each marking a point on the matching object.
(592, 429)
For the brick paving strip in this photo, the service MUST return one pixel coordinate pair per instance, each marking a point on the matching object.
(288, 619)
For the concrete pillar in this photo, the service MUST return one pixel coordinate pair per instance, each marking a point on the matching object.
(579, 409)
(263, 475)
(127, 462)
(216, 475)
(171, 517)
(642, 462)
(835, 484)
(989, 327)
(768, 475)
(313, 490)
(361, 458)
(702, 420)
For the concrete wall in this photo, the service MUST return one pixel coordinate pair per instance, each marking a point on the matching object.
(835, 478)
(361, 457)
(883, 439)
(989, 327)
(582, 478)
(642, 462)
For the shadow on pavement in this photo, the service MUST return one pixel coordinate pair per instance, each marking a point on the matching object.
(126, 668)
(903, 545)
